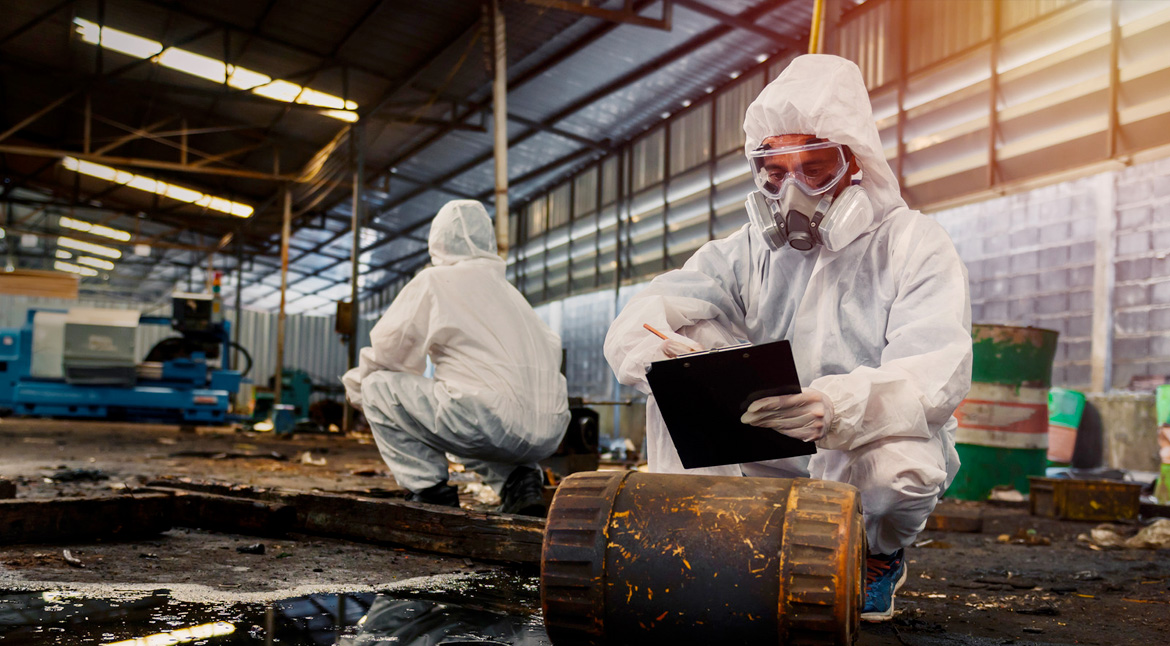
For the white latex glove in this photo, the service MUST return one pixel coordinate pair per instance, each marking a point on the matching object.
(806, 416)
(672, 348)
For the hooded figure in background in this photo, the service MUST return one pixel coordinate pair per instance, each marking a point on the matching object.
(872, 296)
(497, 401)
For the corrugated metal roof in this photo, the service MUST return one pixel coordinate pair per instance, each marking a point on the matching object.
(365, 51)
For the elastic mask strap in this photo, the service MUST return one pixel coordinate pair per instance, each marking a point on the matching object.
(815, 222)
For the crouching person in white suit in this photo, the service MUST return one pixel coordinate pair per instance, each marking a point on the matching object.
(872, 295)
(497, 401)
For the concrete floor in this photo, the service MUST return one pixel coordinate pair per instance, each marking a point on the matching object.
(964, 588)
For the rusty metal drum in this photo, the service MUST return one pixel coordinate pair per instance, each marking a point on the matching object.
(641, 558)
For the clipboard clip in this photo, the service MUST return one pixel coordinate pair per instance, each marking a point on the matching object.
(745, 344)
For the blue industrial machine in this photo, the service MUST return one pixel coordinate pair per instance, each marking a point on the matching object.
(83, 363)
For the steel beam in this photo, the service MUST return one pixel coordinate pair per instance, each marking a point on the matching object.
(625, 15)
(776, 37)
(36, 151)
(38, 19)
(642, 71)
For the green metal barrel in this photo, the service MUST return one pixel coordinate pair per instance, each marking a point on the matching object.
(1003, 423)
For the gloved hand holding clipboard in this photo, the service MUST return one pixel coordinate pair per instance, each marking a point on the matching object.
(702, 396)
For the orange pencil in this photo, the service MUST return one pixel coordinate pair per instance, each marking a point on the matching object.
(663, 336)
(656, 332)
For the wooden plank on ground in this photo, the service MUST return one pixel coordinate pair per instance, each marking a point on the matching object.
(83, 519)
(233, 515)
(456, 532)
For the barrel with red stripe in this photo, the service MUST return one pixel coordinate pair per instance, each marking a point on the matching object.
(1003, 423)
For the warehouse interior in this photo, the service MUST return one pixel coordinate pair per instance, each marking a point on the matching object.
(255, 181)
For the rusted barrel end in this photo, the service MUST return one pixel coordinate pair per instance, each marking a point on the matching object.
(633, 557)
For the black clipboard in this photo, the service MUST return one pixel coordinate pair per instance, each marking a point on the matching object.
(702, 396)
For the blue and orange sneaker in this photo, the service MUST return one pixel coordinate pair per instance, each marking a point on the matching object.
(884, 574)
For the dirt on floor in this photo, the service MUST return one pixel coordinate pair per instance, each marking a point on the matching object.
(1021, 580)
(49, 458)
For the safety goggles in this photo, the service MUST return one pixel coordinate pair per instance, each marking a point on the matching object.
(815, 168)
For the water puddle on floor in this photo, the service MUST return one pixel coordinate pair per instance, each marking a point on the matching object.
(485, 610)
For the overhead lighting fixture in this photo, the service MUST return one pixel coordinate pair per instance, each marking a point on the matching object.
(96, 262)
(214, 70)
(95, 229)
(344, 115)
(760, 58)
(64, 255)
(143, 183)
(61, 265)
(180, 635)
(88, 247)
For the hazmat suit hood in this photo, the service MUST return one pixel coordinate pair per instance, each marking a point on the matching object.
(461, 231)
(825, 96)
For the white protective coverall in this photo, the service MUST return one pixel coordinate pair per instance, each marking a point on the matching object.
(882, 326)
(498, 399)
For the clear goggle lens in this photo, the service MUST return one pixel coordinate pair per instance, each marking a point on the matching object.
(814, 168)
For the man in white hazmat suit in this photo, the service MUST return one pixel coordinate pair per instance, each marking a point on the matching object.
(497, 401)
(871, 294)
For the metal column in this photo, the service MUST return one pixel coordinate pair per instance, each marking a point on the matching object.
(239, 300)
(284, 236)
(500, 120)
(357, 145)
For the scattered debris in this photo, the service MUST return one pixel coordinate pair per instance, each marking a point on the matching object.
(480, 493)
(1152, 537)
(933, 544)
(307, 458)
(147, 555)
(1032, 629)
(369, 472)
(1024, 537)
(78, 475)
(1006, 493)
(1045, 611)
(72, 560)
(256, 548)
(231, 455)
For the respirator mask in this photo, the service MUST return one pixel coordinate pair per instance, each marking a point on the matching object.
(795, 203)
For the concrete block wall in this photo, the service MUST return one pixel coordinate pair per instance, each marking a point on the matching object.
(1050, 256)
(1030, 261)
(1141, 293)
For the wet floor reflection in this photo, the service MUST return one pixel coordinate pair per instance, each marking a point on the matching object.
(489, 610)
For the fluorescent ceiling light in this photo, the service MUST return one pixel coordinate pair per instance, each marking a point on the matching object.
(96, 262)
(214, 70)
(344, 115)
(143, 183)
(95, 229)
(61, 265)
(88, 247)
(64, 255)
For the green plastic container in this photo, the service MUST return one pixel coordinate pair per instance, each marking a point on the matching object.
(1162, 406)
(1065, 409)
(1003, 423)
